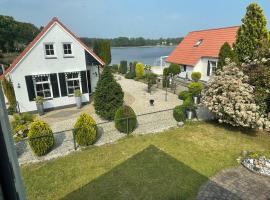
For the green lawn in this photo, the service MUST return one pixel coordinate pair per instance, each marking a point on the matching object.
(170, 165)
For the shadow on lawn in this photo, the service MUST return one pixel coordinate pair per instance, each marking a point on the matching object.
(151, 174)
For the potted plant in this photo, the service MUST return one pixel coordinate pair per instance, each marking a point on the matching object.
(78, 98)
(39, 102)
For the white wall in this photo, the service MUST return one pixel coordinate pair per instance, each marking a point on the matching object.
(201, 66)
(36, 63)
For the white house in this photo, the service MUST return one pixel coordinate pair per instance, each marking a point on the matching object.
(53, 65)
(198, 51)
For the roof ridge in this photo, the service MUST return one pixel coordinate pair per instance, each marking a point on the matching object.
(210, 29)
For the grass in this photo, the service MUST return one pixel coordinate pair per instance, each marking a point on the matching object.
(169, 165)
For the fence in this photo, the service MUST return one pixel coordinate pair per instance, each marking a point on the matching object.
(65, 140)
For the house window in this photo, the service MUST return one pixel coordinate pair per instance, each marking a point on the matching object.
(49, 50)
(73, 82)
(67, 49)
(211, 67)
(198, 43)
(43, 86)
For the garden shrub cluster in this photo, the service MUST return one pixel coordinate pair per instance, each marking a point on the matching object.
(85, 130)
(108, 95)
(40, 137)
(21, 124)
(125, 119)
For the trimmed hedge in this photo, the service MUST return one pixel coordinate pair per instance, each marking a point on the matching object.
(139, 69)
(179, 113)
(130, 75)
(123, 124)
(184, 95)
(85, 130)
(40, 137)
(123, 67)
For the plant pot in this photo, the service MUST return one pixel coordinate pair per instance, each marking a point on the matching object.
(189, 114)
(40, 108)
(151, 101)
(195, 100)
(78, 101)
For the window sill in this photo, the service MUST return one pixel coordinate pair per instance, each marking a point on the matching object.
(68, 56)
(51, 57)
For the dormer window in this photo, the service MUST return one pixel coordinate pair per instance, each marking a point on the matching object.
(67, 49)
(198, 43)
(49, 50)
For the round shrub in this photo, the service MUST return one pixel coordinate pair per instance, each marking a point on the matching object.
(40, 137)
(195, 88)
(184, 95)
(125, 119)
(85, 130)
(196, 76)
(179, 114)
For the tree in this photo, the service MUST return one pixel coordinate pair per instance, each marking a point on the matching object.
(108, 95)
(9, 93)
(151, 79)
(231, 98)
(103, 49)
(225, 52)
(251, 33)
(174, 69)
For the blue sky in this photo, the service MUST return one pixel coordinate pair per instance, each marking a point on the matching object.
(132, 18)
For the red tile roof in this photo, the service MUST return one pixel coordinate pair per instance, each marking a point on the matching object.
(44, 30)
(212, 40)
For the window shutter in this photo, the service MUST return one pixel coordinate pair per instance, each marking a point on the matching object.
(54, 83)
(63, 86)
(30, 88)
(84, 82)
(208, 68)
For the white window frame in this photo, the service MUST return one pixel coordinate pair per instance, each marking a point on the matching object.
(54, 50)
(43, 82)
(71, 48)
(73, 79)
(212, 66)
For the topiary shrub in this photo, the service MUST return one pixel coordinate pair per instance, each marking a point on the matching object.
(41, 138)
(130, 75)
(123, 67)
(184, 95)
(85, 130)
(125, 119)
(195, 88)
(196, 76)
(139, 69)
(108, 95)
(179, 113)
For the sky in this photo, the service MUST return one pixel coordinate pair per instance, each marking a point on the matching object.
(132, 18)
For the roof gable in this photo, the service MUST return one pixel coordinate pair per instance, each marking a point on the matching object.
(188, 53)
(41, 35)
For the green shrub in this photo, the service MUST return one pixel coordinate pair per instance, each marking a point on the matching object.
(139, 69)
(21, 124)
(9, 93)
(77, 93)
(123, 67)
(130, 75)
(108, 95)
(195, 88)
(196, 76)
(41, 138)
(184, 95)
(179, 113)
(125, 119)
(114, 68)
(188, 103)
(174, 69)
(85, 130)
(11, 109)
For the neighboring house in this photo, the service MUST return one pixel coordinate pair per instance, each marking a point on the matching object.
(198, 51)
(53, 65)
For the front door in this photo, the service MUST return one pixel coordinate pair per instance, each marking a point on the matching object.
(94, 76)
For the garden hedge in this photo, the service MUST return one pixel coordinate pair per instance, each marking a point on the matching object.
(179, 113)
(85, 130)
(40, 137)
(125, 119)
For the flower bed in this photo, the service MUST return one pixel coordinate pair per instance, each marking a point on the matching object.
(259, 165)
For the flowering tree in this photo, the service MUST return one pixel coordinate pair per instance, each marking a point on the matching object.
(231, 98)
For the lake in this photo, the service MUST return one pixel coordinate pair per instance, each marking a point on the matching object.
(146, 55)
